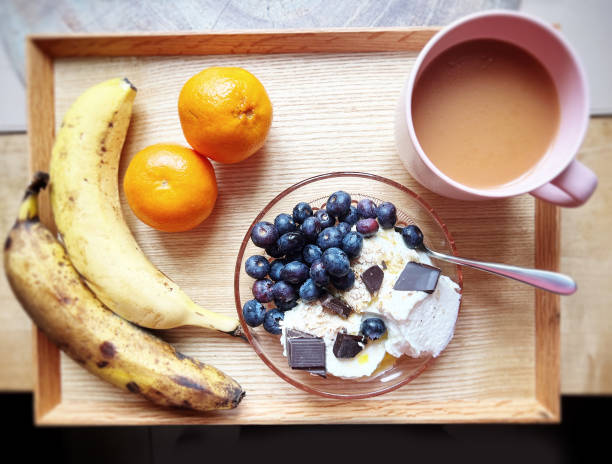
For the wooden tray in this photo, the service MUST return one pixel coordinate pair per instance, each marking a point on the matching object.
(334, 96)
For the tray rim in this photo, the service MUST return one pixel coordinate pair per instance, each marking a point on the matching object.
(330, 40)
(42, 49)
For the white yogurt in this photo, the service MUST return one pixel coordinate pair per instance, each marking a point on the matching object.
(312, 319)
(417, 323)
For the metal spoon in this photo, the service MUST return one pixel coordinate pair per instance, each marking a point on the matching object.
(546, 280)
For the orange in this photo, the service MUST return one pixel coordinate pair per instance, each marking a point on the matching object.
(225, 113)
(170, 187)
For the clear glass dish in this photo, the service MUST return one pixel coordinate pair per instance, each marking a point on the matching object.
(411, 209)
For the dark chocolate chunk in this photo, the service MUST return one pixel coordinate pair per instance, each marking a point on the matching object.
(384, 265)
(347, 346)
(306, 353)
(294, 333)
(337, 306)
(416, 276)
(372, 278)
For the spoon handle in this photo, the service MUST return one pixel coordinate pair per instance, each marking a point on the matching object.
(546, 280)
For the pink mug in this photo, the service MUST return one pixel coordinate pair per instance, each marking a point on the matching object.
(558, 177)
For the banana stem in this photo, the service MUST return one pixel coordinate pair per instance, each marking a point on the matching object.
(28, 210)
(238, 332)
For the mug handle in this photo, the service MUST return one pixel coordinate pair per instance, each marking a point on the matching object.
(572, 187)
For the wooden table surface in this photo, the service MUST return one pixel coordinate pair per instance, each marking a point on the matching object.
(586, 322)
(586, 318)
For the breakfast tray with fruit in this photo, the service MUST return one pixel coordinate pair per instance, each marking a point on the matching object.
(333, 97)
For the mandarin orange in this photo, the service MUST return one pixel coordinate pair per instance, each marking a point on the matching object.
(225, 113)
(169, 187)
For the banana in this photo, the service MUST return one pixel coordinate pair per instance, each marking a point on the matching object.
(85, 203)
(51, 292)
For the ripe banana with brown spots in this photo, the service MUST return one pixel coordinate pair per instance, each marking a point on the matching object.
(84, 196)
(51, 292)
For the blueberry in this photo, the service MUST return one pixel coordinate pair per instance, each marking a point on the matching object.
(301, 211)
(283, 292)
(295, 255)
(286, 306)
(264, 234)
(373, 328)
(309, 291)
(257, 266)
(413, 237)
(274, 251)
(311, 227)
(295, 272)
(253, 313)
(344, 228)
(344, 283)
(318, 274)
(329, 237)
(367, 227)
(291, 242)
(272, 319)
(311, 253)
(366, 208)
(284, 223)
(338, 204)
(351, 217)
(262, 290)
(326, 219)
(386, 214)
(336, 262)
(352, 243)
(276, 267)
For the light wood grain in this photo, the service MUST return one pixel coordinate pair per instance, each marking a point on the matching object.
(586, 323)
(41, 122)
(548, 311)
(332, 112)
(586, 329)
(511, 410)
(228, 43)
(15, 327)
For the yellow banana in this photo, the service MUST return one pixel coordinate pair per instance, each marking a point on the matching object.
(49, 289)
(85, 204)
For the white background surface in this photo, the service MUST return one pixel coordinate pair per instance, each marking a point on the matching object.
(12, 96)
(588, 26)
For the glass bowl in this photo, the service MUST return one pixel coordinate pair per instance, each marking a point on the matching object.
(411, 209)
